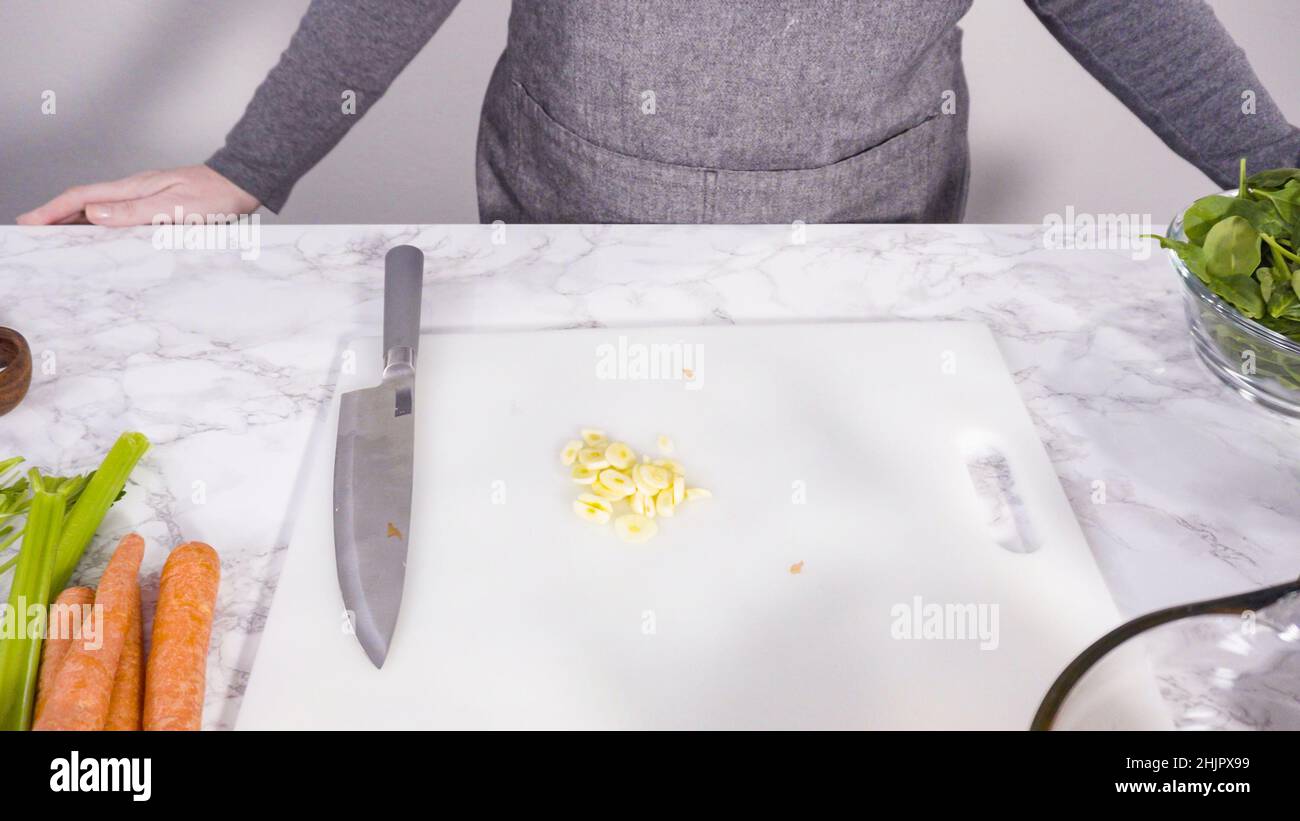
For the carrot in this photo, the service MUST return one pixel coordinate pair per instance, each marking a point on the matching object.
(69, 607)
(182, 627)
(83, 685)
(128, 685)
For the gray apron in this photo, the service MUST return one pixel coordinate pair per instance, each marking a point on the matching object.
(533, 168)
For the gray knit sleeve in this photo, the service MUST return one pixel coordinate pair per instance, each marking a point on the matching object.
(1175, 66)
(300, 110)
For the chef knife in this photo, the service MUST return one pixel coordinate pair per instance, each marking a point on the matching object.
(373, 467)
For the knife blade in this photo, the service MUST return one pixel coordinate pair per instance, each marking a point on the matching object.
(373, 467)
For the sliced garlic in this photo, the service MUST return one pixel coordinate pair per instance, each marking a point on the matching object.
(570, 452)
(635, 529)
(618, 481)
(670, 465)
(620, 456)
(592, 509)
(652, 477)
(596, 501)
(664, 505)
(603, 492)
(652, 488)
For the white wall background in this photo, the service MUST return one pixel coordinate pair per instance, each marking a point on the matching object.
(158, 83)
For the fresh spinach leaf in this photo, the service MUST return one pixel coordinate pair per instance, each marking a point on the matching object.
(1200, 217)
(1265, 277)
(1285, 201)
(1281, 300)
(1206, 212)
(1244, 248)
(1232, 248)
(1193, 256)
(1243, 293)
(1273, 178)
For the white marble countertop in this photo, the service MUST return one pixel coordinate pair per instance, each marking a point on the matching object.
(1184, 490)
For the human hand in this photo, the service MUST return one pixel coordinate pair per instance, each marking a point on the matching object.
(135, 200)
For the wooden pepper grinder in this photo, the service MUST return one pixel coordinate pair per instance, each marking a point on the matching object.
(15, 369)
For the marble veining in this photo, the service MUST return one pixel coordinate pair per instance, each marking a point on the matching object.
(1184, 491)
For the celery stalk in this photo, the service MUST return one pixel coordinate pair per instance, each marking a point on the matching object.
(98, 494)
(20, 651)
(9, 464)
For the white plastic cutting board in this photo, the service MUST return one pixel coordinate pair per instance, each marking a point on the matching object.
(835, 450)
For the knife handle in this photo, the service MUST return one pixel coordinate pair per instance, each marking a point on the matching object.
(403, 284)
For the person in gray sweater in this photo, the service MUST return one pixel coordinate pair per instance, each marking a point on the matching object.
(685, 111)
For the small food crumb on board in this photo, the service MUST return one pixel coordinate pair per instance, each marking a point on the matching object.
(796, 568)
(393, 532)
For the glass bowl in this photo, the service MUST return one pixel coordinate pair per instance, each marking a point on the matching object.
(1258, 363)
(1224, 664)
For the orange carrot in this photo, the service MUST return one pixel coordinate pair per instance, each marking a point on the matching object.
(83, 686)
(128, 685)
(68, 611)
(182, 626)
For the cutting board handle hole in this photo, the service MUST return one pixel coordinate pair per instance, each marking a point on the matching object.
(1004, 512)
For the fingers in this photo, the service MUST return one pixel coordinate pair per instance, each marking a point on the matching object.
(32, 218)
(72, 202)
(130, 212)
